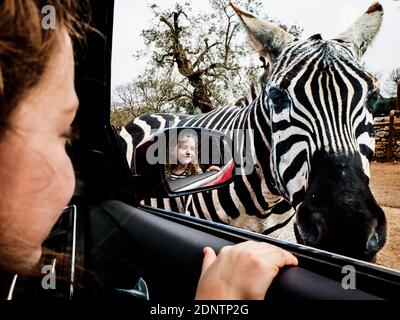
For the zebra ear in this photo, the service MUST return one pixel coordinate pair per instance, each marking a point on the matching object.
(364, 30)
(266, 38)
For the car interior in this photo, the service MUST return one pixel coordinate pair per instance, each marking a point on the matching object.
(116, 249)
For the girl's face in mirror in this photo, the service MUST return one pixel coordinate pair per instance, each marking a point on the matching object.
(36, 174)
(186, 150)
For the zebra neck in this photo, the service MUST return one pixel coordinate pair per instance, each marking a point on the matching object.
(251, 132)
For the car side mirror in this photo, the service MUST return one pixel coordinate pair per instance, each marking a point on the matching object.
(179, 161)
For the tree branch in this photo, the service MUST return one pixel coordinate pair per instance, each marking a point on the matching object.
(211, 67)
(179, 96)
(170, 26)
(205, 51)
(160, 60)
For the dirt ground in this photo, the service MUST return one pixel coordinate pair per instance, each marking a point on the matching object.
(385, 185)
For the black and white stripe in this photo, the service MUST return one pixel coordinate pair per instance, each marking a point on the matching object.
(324, 91)
(327, 92)
(251, 199)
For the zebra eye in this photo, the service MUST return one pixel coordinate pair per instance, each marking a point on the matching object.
(277, 100)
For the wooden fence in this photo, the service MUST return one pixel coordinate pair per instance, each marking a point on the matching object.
(387, 134)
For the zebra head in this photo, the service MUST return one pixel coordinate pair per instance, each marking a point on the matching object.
(319, 98)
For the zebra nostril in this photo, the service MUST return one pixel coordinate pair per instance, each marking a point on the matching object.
(373, 242)
(318, 228)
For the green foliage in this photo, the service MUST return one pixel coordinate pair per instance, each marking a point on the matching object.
(120, 117)
(383, 107)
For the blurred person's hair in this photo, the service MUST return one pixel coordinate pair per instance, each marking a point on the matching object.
(25, 46)
(191, 168)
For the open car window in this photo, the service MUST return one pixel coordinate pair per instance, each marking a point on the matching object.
(292, 193)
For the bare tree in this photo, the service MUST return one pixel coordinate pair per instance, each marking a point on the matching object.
(392, 82)
(193, 59)
(202, 49)
(151, 92)
(197, 62)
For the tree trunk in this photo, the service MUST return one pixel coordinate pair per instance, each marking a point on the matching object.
(398, 96)
(201, 98)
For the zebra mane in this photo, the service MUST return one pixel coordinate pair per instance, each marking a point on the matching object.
(250, 95)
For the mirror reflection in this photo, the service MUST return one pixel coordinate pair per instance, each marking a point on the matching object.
(183, 158)
(194, 163)
(309, 175)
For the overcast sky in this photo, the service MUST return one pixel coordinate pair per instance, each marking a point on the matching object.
(326, 17)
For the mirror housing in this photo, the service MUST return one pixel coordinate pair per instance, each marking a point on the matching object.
(179, 161)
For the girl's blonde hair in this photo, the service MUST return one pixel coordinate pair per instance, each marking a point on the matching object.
(192, 168)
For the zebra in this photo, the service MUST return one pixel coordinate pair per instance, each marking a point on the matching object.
(312, 142)
(251, 94)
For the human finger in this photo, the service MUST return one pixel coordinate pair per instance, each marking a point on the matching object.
(209, 258)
